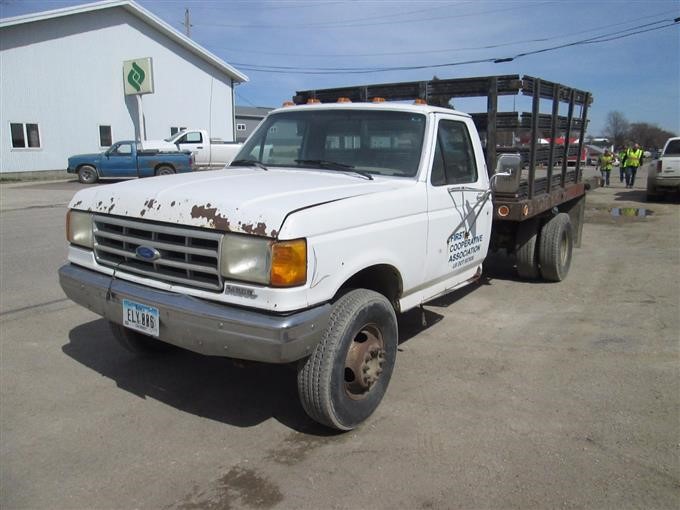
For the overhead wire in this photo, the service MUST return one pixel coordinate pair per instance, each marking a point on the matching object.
(649, 27)
(446, 50)
(351, 24)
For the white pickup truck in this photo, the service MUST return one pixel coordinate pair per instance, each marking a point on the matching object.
(333, 219)
(207, 152)
(664, 175)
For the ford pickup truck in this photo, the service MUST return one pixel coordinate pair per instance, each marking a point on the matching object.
(124, 160)
(208, 152)
(340, 212)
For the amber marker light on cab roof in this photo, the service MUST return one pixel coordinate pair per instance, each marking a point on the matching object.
(289, 263)
(288, 103)
(312, 100)
(344, 100)
(378, 100)
(420, 101)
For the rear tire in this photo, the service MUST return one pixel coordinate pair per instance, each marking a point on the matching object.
(345, 378)
(165, 170)
(87, 174)
(526, 252)
(555, 248)
(138, 343)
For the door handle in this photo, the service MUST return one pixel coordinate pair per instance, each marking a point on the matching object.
(199, 147)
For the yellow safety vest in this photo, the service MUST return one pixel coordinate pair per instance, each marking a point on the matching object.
(606, 161)
(633, 157)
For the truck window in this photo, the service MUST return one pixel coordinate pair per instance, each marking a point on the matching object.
(379, 142)
(121, 149)
(673, 148)
(192, 137)
(454, 159)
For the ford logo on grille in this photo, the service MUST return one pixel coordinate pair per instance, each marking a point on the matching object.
(147, 253)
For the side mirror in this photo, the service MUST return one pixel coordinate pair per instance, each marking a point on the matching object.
(505, 178)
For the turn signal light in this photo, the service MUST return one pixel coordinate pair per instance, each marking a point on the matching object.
(289, 263)
(503, 211)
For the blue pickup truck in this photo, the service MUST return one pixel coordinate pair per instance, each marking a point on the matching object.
(124, 159)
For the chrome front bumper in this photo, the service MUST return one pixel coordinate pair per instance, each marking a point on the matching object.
(202, 326)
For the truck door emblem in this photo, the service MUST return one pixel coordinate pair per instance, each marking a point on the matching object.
(147, 253)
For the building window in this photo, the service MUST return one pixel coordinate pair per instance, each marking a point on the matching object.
(175, 130)
(105, 136)
(240, 127)
(25, 136)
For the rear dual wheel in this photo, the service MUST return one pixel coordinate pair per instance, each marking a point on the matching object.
(544, 250)
(345, 378)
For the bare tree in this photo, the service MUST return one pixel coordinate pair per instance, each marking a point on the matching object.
(616, 128)
(648, 135)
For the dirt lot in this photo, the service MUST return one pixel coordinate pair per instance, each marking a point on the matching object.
(515, 395)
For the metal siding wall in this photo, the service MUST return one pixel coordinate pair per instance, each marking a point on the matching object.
(67, 75)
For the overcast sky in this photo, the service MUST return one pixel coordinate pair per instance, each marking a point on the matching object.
(638, 75)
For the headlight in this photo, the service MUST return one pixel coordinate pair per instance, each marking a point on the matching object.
(79, 228)
(264, 261)
(246, 258)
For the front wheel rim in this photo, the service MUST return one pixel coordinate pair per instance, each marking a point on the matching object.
(364, 362)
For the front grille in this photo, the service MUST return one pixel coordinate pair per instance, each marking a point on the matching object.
(188, 256)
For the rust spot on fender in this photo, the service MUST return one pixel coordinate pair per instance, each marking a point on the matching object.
(172, 204)
(142, 212)
(111, 208)
(149, 203)
(77, 203)
(260, 229)
(274, 233)
(215, 220)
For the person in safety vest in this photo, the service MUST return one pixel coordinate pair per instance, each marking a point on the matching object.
(633, 162)
(605, 163)
(622, 162)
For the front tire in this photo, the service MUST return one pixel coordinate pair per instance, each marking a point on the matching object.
(138, 343)
(555, 248)
(345, 378)
(87, 174)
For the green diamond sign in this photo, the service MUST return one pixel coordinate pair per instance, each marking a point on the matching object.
(138, 76)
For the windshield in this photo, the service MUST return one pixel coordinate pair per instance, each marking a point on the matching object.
(371, 141)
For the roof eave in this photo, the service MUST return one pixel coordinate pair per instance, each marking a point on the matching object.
(141, 13)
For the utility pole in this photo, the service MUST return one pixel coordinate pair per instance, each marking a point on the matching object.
(187, 23)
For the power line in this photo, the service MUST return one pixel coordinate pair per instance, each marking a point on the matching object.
(592, 40)
(448, 50)
(350, 24)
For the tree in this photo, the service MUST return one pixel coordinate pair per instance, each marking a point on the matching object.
(648, 136)
(616, 128)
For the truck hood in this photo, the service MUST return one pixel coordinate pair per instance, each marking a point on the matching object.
(247, 200)
(89, 157)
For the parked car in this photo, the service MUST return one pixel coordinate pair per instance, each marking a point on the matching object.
(207, 151)
(664, 176)
(125, 159)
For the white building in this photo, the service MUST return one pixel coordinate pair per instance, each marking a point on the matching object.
(62, 87)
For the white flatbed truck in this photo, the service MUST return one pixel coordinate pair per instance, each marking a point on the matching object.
(334, 218)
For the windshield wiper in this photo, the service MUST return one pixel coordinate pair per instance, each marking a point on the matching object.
(248, 162)
(334, 165)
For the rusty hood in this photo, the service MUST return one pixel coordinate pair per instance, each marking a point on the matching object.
(247, 200)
